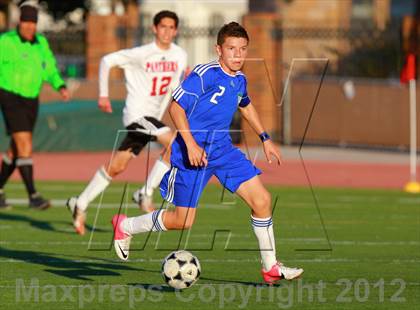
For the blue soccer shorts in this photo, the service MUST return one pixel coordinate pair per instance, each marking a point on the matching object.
(183, 184)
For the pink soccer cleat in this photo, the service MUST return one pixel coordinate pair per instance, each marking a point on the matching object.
(121, 239)
(279, 271)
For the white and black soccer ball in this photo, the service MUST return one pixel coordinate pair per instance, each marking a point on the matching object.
(181, 269)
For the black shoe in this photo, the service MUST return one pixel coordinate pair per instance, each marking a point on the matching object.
(3, 203)
(36, 201)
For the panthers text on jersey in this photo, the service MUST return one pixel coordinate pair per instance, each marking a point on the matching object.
(150, 73)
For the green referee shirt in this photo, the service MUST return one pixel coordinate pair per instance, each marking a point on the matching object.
(25, 65)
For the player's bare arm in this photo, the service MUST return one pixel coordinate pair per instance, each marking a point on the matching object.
(251, 115)
(196, 155)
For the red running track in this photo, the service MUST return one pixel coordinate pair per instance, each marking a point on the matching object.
(82, 166)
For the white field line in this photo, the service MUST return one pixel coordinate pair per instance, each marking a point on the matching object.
(66, 188)
(62, 203)
(232, 241)
(106, 226)
(229, 205)
(340, 199)
(217, 260)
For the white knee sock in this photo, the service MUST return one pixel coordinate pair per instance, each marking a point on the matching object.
(263, 229)
(144, 223)
(155, 176)
(97, 185)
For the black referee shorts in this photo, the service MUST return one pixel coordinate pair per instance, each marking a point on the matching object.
(19, 113)
(141, 132)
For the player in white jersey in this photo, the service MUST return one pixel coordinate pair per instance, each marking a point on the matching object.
(151, 72)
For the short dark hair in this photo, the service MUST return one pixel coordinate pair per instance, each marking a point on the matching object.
(163, 14)
(232, 29)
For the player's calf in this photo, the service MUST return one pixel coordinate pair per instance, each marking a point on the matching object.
(181, 218)
(115, 168)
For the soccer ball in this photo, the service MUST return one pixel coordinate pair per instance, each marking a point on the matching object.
(181, 269)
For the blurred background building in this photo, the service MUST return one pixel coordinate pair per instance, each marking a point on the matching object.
(348, 32)
(361, 102)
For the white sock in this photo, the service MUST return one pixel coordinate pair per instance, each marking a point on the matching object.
(155, 176)
(144, 223)
(263, 229)
(97, 185)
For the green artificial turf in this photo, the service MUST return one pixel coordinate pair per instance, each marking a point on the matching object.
(365, 256)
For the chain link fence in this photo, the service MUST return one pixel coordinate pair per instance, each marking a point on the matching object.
(69, 47)
(359, 51)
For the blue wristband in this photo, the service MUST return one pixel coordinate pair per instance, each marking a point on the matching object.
(264, 136)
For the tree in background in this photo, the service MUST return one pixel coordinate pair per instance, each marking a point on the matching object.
(60, 8)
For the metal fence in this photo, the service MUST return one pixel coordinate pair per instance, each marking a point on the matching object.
(69, 48)
(362, 51)
(368, 52)
(359, 51)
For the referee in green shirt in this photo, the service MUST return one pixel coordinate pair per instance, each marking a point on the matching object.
(26, 61)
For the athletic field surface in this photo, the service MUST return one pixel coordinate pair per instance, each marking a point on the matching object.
(360, 249)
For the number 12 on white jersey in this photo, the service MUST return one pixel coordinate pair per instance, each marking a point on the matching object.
(164, 83)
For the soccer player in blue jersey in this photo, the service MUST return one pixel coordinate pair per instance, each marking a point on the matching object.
(202, 111)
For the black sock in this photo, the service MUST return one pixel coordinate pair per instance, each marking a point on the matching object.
(26, 172)
(7, 167)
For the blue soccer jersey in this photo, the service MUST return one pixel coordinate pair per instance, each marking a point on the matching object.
(210, 97)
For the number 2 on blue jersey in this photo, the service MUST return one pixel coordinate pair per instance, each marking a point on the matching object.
(218, 94)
